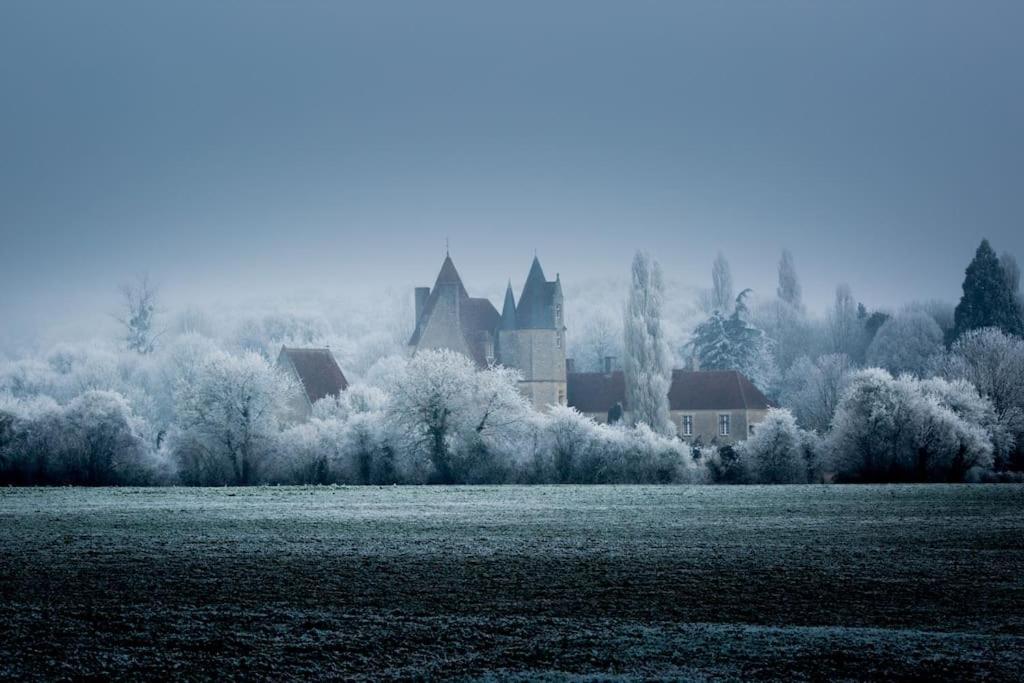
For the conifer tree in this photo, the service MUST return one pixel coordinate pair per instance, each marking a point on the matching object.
(987, 300)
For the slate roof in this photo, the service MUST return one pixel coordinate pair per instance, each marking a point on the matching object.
(596, 392)
(316, 370)
(536, 303)
(478, 317)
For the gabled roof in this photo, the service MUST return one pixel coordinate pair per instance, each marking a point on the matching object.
(316, 370)
(596, 392)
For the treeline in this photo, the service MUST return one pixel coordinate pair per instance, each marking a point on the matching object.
(929, 393)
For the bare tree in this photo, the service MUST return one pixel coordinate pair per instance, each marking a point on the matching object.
(842, 322)
(139, 300)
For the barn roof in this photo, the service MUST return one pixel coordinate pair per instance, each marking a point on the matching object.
(316, 370)
(597, 392)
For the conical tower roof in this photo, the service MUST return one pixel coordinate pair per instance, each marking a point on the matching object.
(508, 311)
(448, 275)
(536, 303)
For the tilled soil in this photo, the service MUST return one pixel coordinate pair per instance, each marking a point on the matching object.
(665, 582)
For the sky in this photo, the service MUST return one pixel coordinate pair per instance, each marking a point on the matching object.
(241, 149)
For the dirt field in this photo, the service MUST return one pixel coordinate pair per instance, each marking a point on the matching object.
(510, 582)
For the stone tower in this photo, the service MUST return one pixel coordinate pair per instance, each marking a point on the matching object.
(532, 338)
(529, 337)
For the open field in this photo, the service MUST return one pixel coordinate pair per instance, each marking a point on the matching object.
(667, 582)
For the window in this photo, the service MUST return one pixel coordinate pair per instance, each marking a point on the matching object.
(750, 430)
(723, 425)
(687, 425)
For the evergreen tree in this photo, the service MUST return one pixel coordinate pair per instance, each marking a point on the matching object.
(732, 343)
(987, 300)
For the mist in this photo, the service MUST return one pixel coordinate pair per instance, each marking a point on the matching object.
(246, 152)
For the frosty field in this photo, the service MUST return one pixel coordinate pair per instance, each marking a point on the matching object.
(517, 582)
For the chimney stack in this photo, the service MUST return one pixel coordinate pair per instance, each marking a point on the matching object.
(608, 360)
(570, 366)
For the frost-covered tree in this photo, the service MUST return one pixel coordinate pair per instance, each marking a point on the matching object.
(844, 328)
(452, 417)
(987, 299)
(777, 452)
(229, 410)
(139, 299)
(811, 390)
(789, 290)
(902, 429)
(993, 362)
(94, 440)
(647, 363)
(732, 343)
(600, 337)
(907, 343)
(721, 284)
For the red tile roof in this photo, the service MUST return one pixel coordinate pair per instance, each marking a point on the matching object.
(597, 392)
(316, 370)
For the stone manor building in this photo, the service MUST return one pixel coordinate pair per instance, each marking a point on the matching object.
(528, 336)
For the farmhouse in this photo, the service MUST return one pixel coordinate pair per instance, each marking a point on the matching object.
(528, 335)
(318, 374)
(720, 406)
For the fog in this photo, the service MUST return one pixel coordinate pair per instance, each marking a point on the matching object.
(318, 155)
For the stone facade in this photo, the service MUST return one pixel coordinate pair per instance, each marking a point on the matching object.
(712, 407)
(528, 336)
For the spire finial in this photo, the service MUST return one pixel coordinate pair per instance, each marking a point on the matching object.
(446, 247)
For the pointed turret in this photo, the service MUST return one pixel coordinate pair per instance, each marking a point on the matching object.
(536, 275)
(508, 311)
(450, 276)
(536, 305)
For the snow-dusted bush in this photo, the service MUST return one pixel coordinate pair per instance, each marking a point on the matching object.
(778, 451)
(906, 343)
(575, 449)
(903, 429)
(95, 440)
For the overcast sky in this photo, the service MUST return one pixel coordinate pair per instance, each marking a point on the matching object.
(236, 148)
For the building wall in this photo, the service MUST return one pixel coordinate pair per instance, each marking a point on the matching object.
(540, 356)
(705, 424)
(442, 330)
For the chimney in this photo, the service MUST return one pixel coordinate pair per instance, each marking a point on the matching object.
(608, 360)
(570, 366)
(422, 294)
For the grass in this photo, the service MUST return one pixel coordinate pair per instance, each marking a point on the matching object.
(513, 582)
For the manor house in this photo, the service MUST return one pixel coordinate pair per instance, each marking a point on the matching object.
(528, 335)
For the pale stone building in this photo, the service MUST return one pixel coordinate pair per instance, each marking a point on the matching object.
(712, 406)
(528, 336)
